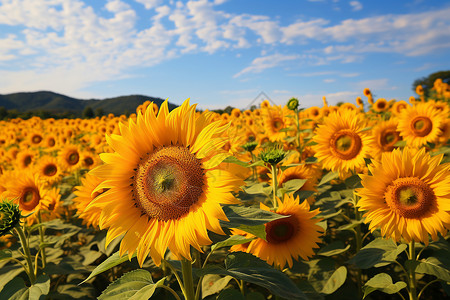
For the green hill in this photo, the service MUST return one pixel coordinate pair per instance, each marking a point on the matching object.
(60, 104)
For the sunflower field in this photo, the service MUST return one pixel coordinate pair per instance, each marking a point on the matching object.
(331, 202)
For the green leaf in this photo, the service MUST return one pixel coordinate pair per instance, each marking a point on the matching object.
(213, 284)
(349, 226)
(110, 262)
(294, 184)
(378, 253)
(17, 290)
(334, 248)
(245, 266)
(258, 230)
(134, 285)
(432, 266)
(9, 272)
(400, 144)
(382, 282)
(328, 177)
(353, 182)
(234, 160)
(259, 188)
(335, 281)
(231, 241)
(251, 216)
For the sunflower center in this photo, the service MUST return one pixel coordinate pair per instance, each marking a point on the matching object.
(421, 126)
(281, 230)
(51, 142)
(168, 182)
(388, 138)
(277, 124)
(381, 105)
(29, 199)
(27, 160)
(73, 158)
(345, 144)
(88, 161)
(36, 139)
(50, 170)
(410, 197)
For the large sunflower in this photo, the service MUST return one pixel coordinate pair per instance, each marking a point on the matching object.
(166, 183)
(291, 237)
(407, 195)
(342, 142)
(419, 124)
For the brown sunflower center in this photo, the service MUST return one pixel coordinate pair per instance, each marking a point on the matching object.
(168, 182)
(88, 161)
(27, 160)
(381, 105)
(50, 170)
(410, 197)
(281, 230)
(345, 144)
(421, 126)
(388, 138)
(51, 142)
(36, 139)
(73, 158)
(277, 124)
(29, 198)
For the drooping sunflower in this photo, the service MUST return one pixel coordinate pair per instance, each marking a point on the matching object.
(385, 135)
(166, 183)
(407, 195)
(419, 124)
(342, 142)
(288, 238)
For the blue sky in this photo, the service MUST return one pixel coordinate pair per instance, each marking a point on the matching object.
(222, 52)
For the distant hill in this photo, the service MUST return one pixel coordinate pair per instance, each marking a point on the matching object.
(58, 104)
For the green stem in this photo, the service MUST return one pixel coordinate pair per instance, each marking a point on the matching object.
(27, 253)
(298, 134)
(42, 238)
(358, 240)
(412, 272)
(188, 280)
(171, 291)
(174, 271)
(427, 285)
(274, 185)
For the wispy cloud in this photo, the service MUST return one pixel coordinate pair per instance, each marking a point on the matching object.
(356, 5)
(262, 63)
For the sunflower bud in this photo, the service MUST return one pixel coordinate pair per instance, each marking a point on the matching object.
(250, 146)
(293, 104)
(272, 155)
(9, 216)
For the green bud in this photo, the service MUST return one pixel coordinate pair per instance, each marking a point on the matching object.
(272, 155)
(293, 104)
(9, 216)
(250, 146)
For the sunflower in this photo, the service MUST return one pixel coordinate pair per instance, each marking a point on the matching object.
(407, 195)
(27, 190)
(342, 144)
(300, 172)
(398, 107)
(35, 138)
(290, 237)
(84, 196)
(419, 90)
(48, 169)
(166, 183)
(385, 135)
(381, 105)
(273, 123)
(70, 158)
(26, 158)
(419, 124)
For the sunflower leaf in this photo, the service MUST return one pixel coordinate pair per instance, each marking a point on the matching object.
(16, 289)
(334, 248)
(234, 160)
(328, 177)
(213, 284)
(231, 241)
(110, 262)
(432, 266)
(335, 281)
(382, 282)
(249, 268)
(378, 253)
(134, 285)
(249, 216)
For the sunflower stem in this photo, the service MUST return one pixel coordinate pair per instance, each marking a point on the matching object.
(412, 271)
(42, 238)
(188, 280)
(427, 285)
(171, 291)
(358, 241)
(300, 148)
(274, 185)
(26, 250)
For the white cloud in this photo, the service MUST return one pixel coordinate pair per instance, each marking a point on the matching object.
(356, 5)
(262, 63)
(329, 80)
(149, 4)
